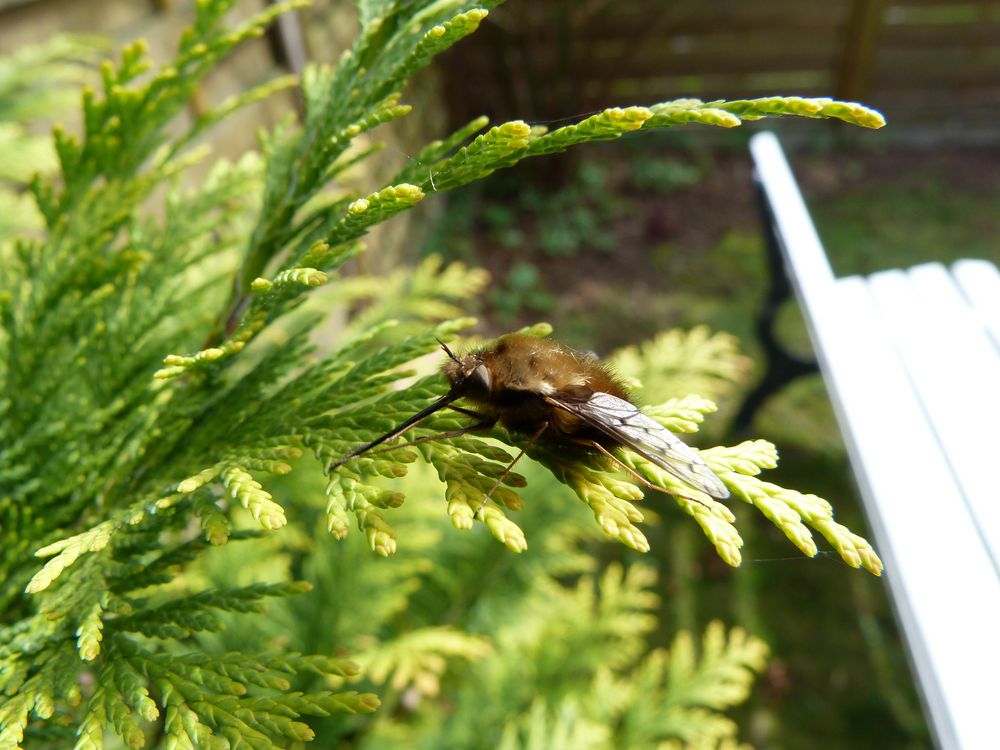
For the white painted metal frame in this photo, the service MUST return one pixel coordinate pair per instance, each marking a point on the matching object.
(911, 359)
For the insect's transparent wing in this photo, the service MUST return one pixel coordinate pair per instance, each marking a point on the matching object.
(623, 422)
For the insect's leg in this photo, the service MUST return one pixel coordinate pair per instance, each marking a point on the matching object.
(471, 413)
(510, 466)
(618, 462)
(633, 472)
(484, 425)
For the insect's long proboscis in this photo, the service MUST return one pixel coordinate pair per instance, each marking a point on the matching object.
(413, 421)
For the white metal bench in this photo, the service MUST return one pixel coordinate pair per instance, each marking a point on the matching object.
(911, 359)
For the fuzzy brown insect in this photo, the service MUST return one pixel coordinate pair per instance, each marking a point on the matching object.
(551, 393)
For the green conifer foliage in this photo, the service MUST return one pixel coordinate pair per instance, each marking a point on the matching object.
(157, 376)
(37, 83)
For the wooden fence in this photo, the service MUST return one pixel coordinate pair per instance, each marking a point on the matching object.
(924, 63)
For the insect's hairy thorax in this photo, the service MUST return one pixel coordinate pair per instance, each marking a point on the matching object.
(524, 363)
(524, 371)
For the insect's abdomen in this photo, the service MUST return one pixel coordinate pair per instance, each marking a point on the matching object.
(525, 413)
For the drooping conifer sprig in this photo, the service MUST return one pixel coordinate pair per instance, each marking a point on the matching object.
(470, 468)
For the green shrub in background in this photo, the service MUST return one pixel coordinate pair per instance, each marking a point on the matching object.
(157, 365)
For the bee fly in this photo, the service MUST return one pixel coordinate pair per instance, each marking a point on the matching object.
(549, 392)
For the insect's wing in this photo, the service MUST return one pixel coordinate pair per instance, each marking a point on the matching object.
(624, 423)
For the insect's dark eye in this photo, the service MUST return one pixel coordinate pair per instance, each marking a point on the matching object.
(479, 379)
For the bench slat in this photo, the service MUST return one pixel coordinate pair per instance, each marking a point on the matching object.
(980, 282)
(954, 366)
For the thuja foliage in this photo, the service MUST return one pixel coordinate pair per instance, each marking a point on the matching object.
(157, 368)
(37, 83)
(677, 362)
